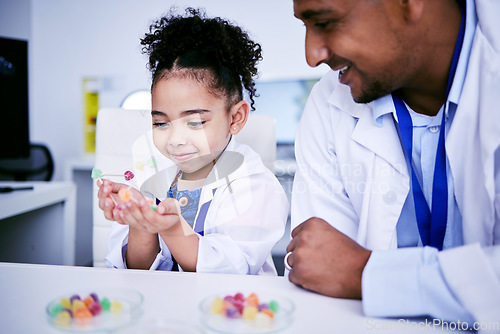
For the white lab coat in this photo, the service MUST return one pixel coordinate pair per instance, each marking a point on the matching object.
(353, 174)
(246, 217)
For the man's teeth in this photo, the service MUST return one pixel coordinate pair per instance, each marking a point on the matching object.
(343, 69)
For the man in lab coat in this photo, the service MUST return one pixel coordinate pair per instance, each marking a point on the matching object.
(399, 148)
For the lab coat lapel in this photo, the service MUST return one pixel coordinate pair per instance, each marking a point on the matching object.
(386, 182)
(383, 140)
(388, 188)
(230, 166)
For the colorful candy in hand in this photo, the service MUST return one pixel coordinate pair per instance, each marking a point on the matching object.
(125, 194)
(249, 308)
(128, 175)
(98, 174)
(81, 310)
(152, 204)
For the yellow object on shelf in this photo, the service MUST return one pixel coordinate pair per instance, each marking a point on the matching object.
(91, 106)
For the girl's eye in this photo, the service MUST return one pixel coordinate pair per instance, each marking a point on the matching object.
(161, 125)
(196, 125)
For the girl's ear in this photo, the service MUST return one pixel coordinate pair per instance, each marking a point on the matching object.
(239, 115)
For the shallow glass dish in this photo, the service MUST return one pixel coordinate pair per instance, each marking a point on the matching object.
(223, 324)
(131, 309)
(160, 326)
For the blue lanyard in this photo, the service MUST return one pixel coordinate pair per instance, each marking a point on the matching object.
(431, 225)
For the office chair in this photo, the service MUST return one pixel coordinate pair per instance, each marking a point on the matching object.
(39, 166)
(124, 137)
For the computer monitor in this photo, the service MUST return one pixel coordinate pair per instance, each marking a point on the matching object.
(14, 112)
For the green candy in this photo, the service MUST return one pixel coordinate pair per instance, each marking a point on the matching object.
(96, 173)
(55, 309)
(105, 303)
(152, 163)
(273, 306)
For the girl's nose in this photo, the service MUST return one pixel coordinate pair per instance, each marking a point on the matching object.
(177, 135)
(317, 51)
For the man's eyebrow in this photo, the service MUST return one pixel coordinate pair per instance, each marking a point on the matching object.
(311, 13)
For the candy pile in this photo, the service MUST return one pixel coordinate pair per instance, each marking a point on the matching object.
(249, 308)
(81, 310)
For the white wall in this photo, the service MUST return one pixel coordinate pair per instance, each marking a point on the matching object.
(72, 39)
(15, 19)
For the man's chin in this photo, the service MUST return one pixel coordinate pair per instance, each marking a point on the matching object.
(369, 96)
(362, 99)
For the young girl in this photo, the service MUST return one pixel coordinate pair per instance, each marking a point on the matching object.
(225, 210)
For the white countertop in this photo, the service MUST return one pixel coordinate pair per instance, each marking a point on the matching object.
(43, 194)
(26, 290)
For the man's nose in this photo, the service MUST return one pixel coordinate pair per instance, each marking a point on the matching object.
(316, 49)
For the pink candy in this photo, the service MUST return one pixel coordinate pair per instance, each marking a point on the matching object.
(128, 175)
(95, 308)
(239, 306)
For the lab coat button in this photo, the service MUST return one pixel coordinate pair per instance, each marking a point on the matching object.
(434, 129)
(389, 197)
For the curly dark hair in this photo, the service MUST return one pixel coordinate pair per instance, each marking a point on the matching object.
(196, 45)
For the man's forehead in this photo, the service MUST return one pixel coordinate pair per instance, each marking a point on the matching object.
(307, 9)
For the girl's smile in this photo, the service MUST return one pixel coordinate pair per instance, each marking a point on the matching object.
(182, 156)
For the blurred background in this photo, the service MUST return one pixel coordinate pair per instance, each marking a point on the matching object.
(70, 40)
(84, 55)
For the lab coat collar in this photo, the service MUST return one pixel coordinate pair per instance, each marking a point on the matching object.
(237, 161)
(382, 139)
(487, 15)
(463, 60)
(341, 98)
(231, 165)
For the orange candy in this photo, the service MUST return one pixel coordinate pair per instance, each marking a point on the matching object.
(88, 300)
(125, 194)
(252, 300)
(82, 316)
(83, 313)
(269, 312)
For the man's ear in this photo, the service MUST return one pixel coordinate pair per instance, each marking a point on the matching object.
(239, 115)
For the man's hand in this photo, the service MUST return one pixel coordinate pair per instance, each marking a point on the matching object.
(325, 260)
